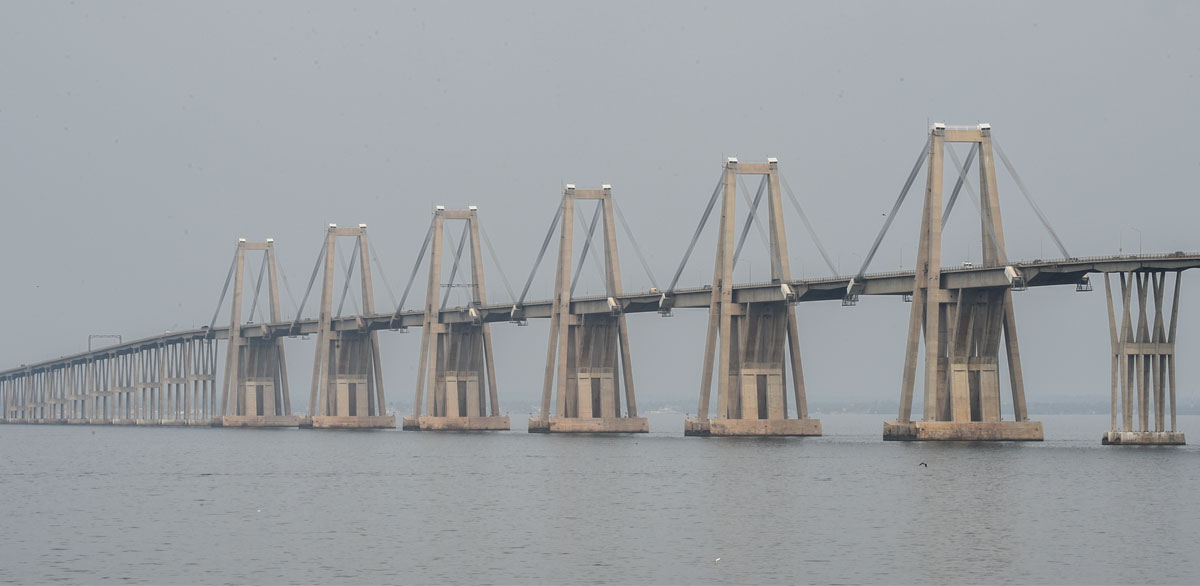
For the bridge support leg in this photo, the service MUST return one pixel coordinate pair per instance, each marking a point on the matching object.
(753, 343)
(456, 370)
(963, 328)
(592, 349)
(347, 386)
(1143, 361)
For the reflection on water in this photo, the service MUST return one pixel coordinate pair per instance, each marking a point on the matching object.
(187, 505)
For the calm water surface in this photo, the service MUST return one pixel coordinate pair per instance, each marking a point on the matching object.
(170, 505)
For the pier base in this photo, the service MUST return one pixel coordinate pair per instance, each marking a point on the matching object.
(971, 431)
(1143, 438)
(426, 423)
(258, 421)
(752, 427)
(589, 425)
(350, 422)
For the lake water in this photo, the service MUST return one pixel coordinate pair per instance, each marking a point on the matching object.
(198, 505)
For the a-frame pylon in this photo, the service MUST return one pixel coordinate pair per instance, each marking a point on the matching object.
(347, 385)
(752, 343)
(962, 327)
(255, 392)
(456, 372)
(588, 353)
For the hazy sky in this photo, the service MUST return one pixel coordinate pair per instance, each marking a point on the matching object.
(139, 140)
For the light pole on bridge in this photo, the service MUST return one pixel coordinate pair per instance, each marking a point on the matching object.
(102, 337)
(1121, 242)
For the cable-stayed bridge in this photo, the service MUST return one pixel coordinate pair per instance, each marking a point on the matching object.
(961, 317)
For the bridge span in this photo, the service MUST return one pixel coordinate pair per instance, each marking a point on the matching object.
(963, 314)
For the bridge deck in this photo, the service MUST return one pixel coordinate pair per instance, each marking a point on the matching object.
(1037, 273)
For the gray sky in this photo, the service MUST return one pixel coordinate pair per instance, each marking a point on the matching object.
(140, 140)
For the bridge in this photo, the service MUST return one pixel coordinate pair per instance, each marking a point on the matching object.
(961, 315)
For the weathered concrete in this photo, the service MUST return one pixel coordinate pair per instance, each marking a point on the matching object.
(258, 421)
(1143, 360)
(964, 329)
(752, 427)
(352, 422)
(589, 425)
(972, 431)
(1143, 438)
(427, 423)
(456, 369)
(347, 383)
(588, 355)
(752, 344)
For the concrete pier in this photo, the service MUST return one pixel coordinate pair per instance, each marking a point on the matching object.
(425, 423)
(351, 422)
(1017, 431)
(258, 421)
(1143, 438)
(589, 425)
(751, 427)
(1143, 360)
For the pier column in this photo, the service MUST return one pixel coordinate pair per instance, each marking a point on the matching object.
(347, 385)
(1143, 361)
(200, 395)
(456, 371)
(588, 352)
(963, 328)
(255, 391)
(752, 344)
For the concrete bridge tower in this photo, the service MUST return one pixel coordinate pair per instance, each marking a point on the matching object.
(255, 392)
(756, 339)
(962, 327)
(456, 371)
(347, 384)
(588, 353)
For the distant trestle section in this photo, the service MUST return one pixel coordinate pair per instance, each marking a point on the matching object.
(160, 383)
